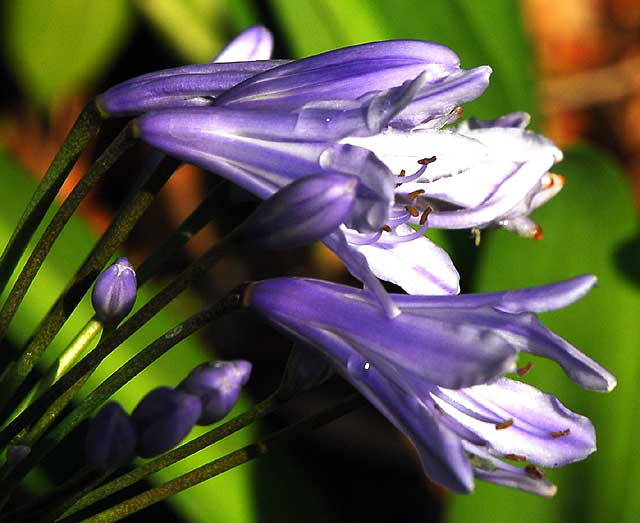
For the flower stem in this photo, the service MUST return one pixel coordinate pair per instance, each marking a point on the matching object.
(260, 410)
(29, 358)
(84, 129)
(225, 463)
(98, 396)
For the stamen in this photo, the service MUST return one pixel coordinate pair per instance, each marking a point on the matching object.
(516, 457)
(427, 161)
(504, 424)
(475, 234)
(414, 194)
(358, 239)
(537, 234)
(425, 215)
(523, 371)
(402, 172)
(386, 228)
(412, 210)
(533, 472)
(394, 238)
(560, 433)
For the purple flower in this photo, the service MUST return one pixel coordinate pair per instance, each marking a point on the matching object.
(163, 418)
(435, 372)
(218, 387)
(111, 439)
(193, 85)
(114, 292)
(302, 212)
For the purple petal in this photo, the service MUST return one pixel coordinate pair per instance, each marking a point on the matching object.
(418, 266)
(440, 349)
(543, 430)
(346, 73)
(517, 119)
(255, 43)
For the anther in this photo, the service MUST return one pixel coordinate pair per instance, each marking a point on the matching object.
(516, 457)
(386, 228)
(504, 424)
(427, 161)
(425, 215)
(538, 233)
(560, 433)
(412, 210)
(403, 173)
(414, 194)
(523, 371)
(533, 472)
(476, 235)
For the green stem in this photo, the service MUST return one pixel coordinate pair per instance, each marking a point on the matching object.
(84, 129)
(225, 463)
(260, 410)
(117, 233)
(69, 357)
(106, 389)
(29, 358)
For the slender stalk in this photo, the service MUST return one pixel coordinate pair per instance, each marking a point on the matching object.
(134, 366)
(29, 358)
(225, 463)
(260, 410)
(85, 128)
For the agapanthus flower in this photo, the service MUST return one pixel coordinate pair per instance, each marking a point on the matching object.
(435, 371)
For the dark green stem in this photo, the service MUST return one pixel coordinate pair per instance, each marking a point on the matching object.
(84, 129)
(260, 410)
(29, 358)
(104, 391)
(225, 463)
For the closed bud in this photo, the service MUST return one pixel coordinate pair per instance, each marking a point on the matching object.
(302, 212)
(163, 419)
(306, 369)
(111, 439)
(218, 386)
(16, 453)
(114, 293)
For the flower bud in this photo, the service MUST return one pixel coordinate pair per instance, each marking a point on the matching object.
(163, 419)
(302, 212)
(114, 293)
(16, 453)
(111, 439)
(306, 369)
(218, 386)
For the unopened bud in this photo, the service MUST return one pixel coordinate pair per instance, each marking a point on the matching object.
(114, 293)
(163, 419)
(111, 439)
(302, 212)
(306, 369)
(218, 386)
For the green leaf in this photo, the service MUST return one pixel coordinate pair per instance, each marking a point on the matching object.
(488, 32)
(228, 497)
(58, 46)
(585, 225)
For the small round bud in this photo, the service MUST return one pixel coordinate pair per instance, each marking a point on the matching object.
(218, 386)
(163, 418)
(111, 439)
(114, 293)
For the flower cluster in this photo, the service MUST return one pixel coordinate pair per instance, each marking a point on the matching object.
(362, 148)
(165, 416)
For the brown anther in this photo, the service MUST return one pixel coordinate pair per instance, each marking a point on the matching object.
(533, 472)
(414, 194)
(537, 234)
(457, 112)
(523, 371)
(425, 215)
(516, 457)
(560, 433)
(386, 228)
(504, 424)
(402, 173)
(412, 210)
(427, 161)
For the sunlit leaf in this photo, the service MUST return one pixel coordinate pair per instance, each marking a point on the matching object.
(58, 46)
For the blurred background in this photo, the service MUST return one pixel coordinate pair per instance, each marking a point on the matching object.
(574, 65)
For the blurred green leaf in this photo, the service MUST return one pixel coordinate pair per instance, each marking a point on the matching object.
(488, 32)
(58, 46)
(584, 227)
(228, 497)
